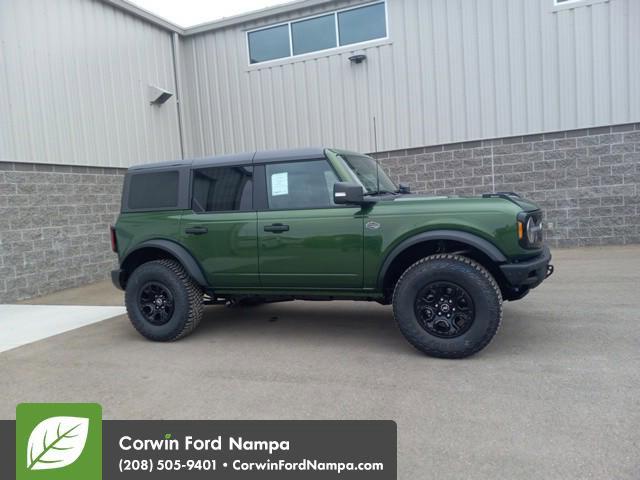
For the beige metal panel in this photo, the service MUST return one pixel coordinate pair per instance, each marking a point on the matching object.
(620, 45)
(584, 89)
(517, 64)
(633, 59)
(567, 68)
(471, 63)
(533, 71)
(487, 72)
(74, 77)
(601, 60)
(74, 74)
(452, 70)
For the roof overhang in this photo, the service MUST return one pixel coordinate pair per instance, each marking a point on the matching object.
(216, 24)
(145, 15)
(255, 15)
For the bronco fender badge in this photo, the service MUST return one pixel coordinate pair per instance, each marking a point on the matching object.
(372, 225)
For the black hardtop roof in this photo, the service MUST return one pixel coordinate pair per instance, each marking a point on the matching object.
(260, 156)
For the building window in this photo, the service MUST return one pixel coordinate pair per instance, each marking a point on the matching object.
(362, 24)
(314, 34)
(269, 44)
(222, 189)
(348, 26)
(559, 5)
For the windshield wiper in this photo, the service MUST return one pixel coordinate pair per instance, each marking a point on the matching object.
(381, 192)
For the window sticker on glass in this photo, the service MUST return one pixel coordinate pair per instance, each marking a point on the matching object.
(280, 184)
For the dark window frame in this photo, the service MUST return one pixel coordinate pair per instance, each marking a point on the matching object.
(183, 202)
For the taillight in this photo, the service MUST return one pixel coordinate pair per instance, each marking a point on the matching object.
(114, 240)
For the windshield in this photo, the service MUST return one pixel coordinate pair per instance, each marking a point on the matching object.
(369, 174)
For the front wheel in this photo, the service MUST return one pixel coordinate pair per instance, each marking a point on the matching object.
(163, 301)
(447, 306)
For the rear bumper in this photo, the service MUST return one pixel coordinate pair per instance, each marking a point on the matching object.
(529, 273)
(118, 278)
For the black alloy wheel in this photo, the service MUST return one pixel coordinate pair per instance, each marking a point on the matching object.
(156, 303)
(444, 309)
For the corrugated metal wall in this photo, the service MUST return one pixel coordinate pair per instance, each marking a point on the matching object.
(452, 70)
(73, 80)
(74, 73)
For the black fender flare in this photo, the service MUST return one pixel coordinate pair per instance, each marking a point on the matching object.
(486, 247)
(189, 263)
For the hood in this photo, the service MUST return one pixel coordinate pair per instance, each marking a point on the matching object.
(523, 203)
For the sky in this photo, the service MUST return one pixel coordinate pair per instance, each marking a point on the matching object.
(186, 13)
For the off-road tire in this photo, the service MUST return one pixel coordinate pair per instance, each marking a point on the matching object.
(187, 299)
(471, 276)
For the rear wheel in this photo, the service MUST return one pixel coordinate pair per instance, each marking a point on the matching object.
(163, 301)
(447, 306)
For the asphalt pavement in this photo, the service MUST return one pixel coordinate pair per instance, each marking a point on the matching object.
(556, 395)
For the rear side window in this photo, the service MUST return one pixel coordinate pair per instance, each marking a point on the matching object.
(222, 189)
(153, 191)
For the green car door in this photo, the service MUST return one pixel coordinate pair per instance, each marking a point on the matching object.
(221, 230)
(305, 241)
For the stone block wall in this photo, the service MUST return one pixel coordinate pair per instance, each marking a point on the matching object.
(54, 224)
(54, 219)
(587, 181)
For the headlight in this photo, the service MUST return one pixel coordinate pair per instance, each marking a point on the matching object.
(530, 229)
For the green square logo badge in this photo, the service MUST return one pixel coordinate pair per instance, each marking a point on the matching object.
(59, 441)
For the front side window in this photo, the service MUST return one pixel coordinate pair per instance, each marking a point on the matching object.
(222, 189)
(269, 44)
(300, 185)
(153, 191)
(348, 26)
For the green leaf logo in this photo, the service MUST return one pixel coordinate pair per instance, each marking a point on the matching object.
(57, 442)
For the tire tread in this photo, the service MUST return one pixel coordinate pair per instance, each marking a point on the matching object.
(489, 335)
(194, 293)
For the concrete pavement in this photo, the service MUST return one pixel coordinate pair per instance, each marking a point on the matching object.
(23, 324)
(555, 396)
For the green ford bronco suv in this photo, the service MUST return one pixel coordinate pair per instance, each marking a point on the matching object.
(321, 224)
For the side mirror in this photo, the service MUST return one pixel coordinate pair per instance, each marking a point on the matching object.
(403, 188)
(348, 193)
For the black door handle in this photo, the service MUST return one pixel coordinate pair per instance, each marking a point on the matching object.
(276, 228)
(196, 230)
